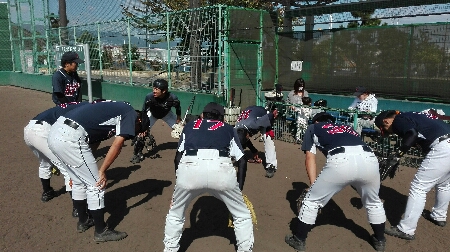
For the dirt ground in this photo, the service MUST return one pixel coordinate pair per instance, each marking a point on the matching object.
(137, 200)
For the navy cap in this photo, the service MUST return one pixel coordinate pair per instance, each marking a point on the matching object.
(71, 57)
(380, 117)
(214, 108)
(322, 117)
(359, 91)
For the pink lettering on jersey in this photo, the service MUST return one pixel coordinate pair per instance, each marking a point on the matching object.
(197, 123)
(244, 115)
(217, 124)
(338, 129)
(71, 88)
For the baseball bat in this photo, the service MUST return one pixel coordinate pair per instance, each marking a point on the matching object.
(189, 107)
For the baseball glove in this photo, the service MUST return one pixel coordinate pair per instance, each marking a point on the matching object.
(252, 213)
(176, 131)
(389, 166)
(300, 199)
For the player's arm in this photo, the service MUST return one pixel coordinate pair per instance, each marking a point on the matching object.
(408, 140)
(61, 97)
(311, 168)
(112, 154)
(177, 105)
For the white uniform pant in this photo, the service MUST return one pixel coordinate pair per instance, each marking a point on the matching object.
(269, 149)
(354, 167)
(35, 136)
(170, 119)
(433, 172)
(70, 146)
(207, 173)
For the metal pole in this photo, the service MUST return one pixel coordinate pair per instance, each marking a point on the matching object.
(220, 45)
(100, 51)
(129, 51)
(169, 75)
(87, 62)
(260, 58)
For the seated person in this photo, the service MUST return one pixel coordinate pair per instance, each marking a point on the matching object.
(365, 101)
(296, 95)
(303, 117)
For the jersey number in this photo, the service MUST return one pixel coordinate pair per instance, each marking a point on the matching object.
(216, 125)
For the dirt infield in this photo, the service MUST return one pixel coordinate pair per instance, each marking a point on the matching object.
(137, 200)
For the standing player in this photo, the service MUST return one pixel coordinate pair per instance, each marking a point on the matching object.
(433, 136)
(36, 135)
(69, 139)
(203, 165)
(349, 162)
(257, 119)
(158, 105)
(65, 81)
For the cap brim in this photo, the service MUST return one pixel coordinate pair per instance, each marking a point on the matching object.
(79, 61)
(357, 93)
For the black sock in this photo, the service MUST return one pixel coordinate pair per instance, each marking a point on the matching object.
(99, 221)
(46, 185)
(378, 230)
(80, 205)
(303, 230)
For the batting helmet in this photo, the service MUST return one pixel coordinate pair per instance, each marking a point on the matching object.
(320, 103)
(161, 84)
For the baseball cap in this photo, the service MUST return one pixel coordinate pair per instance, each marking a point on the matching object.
(380, 117)
(322, 117)
(71, 57)
(214, 108)
(359, 91)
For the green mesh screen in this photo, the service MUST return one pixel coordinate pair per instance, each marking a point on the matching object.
(409, 62)
(5, 45)
(243, 68)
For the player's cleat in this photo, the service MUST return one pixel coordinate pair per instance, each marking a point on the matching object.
(47, 196)
(296, 243)
(378, 245)
(137, 158)
(74, 212)
(81, 227)
(394, 231)
(109, 235)
(427, 216)
(270, 171)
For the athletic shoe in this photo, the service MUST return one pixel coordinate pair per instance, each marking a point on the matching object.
(81, 227)
(394, 231)
(427, 216)
(74, 213)
(378, 245)
(46, 196)
(109, 235)
(270, 171)
(296, 243)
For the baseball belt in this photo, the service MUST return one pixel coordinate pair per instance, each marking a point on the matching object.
(339, 150)
(71, 124)
(444, 137)
(194, 153)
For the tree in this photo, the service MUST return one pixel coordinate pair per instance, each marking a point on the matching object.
(63, 22)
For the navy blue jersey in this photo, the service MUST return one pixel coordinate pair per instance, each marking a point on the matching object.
(105, 119)
(428, 126)
(327, 136)
(67, 84)
(254, 119)
(210, 134)
(160, 107)
(51, 115)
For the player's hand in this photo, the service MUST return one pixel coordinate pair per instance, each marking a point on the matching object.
(275, 113)
(101, 183)
(256, 158)
(178, 119)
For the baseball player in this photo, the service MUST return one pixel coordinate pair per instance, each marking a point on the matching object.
(65, 81)
(365, 101)
(257, 119)
(69, 139)
(433, 136)
(158, 105)
(36, 135)
(349, 162)
(203, 165)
